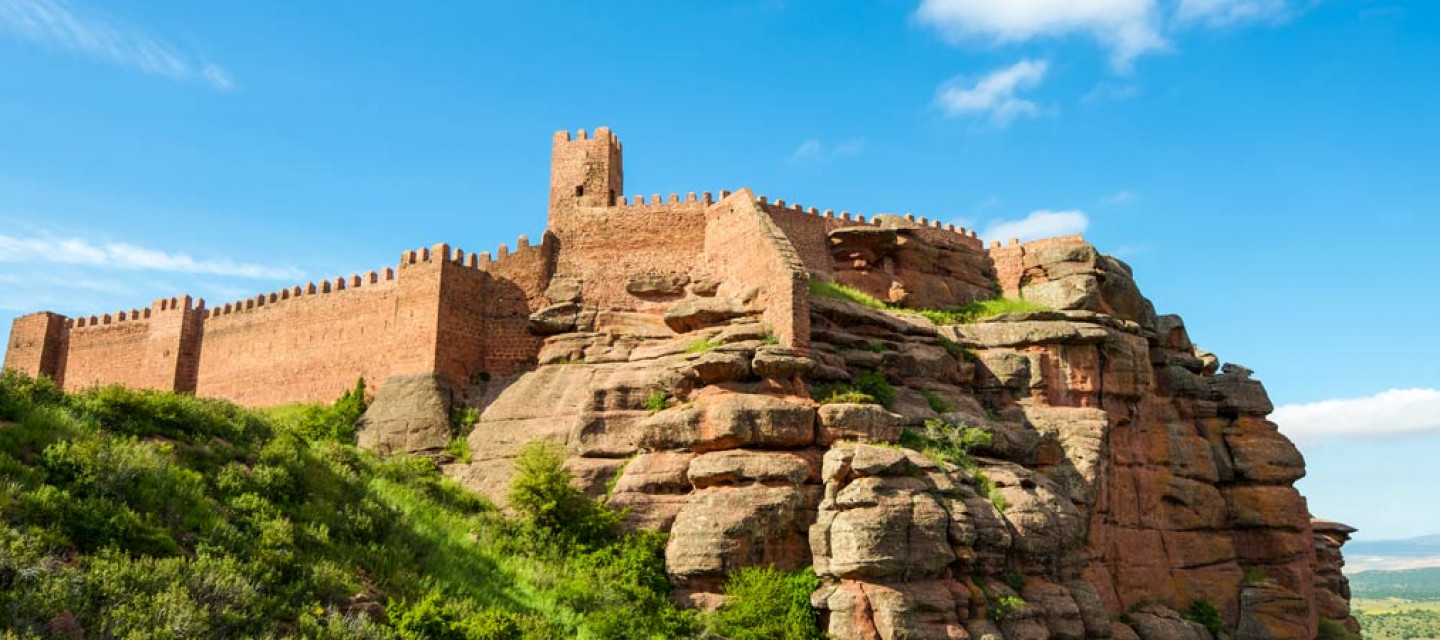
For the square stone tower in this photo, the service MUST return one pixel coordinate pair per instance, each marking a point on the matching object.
(585, 171)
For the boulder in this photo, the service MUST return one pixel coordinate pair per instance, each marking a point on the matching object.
(694, 313)
(863, 422)
(646, 285)
(411, 414)
(556, 318)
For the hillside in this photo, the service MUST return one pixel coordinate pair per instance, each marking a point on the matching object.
(134, 514)
(1413, 584)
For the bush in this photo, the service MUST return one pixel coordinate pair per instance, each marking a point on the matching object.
(1203, 612)
(656, 400)
(874, 384)
(944, 442)
(1005, 606)
(542, 493)
(764, 603)
(936, 403)
(963, 314)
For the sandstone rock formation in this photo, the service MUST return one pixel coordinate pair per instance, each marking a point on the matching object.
(1128, 479)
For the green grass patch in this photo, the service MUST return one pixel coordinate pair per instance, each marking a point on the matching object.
(1205, 613)
(936, 403)
(870, 387)
(963, 314)
(701, 346)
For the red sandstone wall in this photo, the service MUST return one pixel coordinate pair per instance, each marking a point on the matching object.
(150, 349)
(483, 308)
(744, 247)
(35, 344)
(310, 344)
(601, 246)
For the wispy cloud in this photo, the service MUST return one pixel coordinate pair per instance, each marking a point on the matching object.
(1039, 224)
(814, 150)
(1127, 28)
(63, 25)
(994, 95)
(1222, 13)
(1123, 196)
(117, 255)
(1388, 413)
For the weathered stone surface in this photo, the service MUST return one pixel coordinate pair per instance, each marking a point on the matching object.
(724, 528)
(411, 414)
(656, 284)
(781, 363)
(728, 421)
(1156, 622)
(556, 318)
(741, 466)
(862, 422)
(693, 313)
(1269, 611)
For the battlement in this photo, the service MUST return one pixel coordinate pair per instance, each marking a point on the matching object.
(445, 310)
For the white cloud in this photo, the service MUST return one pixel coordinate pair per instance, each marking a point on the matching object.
(1127, 28)
(814, 150)
(994, 94)
(60, 24)
(1123, 196)
(1388, 413)
(1220, 13)
(76, 251)
(1039, 224)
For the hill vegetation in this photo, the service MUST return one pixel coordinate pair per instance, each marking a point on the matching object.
(138, 514)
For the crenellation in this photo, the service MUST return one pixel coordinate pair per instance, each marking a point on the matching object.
(447, 310)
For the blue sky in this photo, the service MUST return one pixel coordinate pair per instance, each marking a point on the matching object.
(1269, 167)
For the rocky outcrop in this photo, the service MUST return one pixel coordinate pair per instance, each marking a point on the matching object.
(410, 414)
(1122, 484)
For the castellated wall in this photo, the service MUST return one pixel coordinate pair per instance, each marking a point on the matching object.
(600, 246)
(443, 311)
(743, 245)
(151, 348)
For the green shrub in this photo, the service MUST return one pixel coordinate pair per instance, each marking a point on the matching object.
(874, 384)
(945, 442)
(656, 400)
(1205, 613)
(1015, 580)
(1255, 574)
(769, 338)
(955, 349)
(543, 494)
(1005, 606)
(1332, 630)
(764, 603)
(462, 422)
(936, 403)
(986, 488)
(869, 388)
(875, 346)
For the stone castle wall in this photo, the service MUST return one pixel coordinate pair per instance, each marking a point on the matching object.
(463, 315)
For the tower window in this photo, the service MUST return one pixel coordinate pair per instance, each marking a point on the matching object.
(580, 191)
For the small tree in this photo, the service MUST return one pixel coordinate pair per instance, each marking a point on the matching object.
(541, 492)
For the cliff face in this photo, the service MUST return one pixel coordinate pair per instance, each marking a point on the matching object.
(1122, 476)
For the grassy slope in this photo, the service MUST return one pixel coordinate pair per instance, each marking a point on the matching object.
(140, 514)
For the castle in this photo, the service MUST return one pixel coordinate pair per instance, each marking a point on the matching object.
(461, 315)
